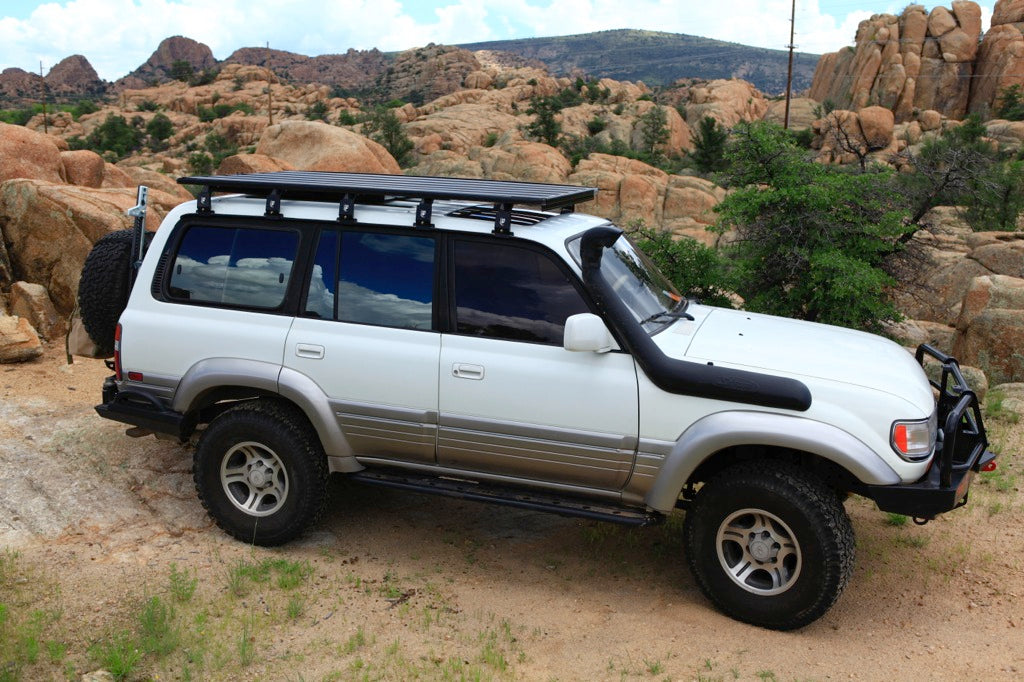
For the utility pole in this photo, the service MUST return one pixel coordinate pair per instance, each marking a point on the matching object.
(270, 82)
(789, 74)
(42, 86)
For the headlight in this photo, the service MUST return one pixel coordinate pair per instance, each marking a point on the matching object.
(914, 440)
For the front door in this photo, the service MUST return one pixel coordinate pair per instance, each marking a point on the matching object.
(512, 400)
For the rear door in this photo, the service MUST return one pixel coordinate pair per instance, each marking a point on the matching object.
(512, 400)
(366, 337)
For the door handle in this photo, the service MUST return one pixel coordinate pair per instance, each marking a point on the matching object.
(310, 351)
(466, 371)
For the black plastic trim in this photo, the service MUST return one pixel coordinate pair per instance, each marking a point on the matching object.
(140, 409)
(562, 505)
(679, 376)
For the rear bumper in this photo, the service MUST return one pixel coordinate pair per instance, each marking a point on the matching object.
(962, 451)
(140, 409)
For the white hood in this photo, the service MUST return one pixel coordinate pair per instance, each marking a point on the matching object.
(777, 345)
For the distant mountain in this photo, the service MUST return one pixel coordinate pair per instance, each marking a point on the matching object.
(659, 58)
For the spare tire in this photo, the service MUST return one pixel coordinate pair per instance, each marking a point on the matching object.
(103, 288)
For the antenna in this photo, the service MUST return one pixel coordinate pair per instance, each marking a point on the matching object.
(42, 87)
(789, 74)
(269, 83)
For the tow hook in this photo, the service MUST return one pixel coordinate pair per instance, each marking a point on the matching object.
(918, 521)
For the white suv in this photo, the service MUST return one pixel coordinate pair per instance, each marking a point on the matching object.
(427, 334)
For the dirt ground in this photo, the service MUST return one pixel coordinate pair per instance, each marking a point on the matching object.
(98, 531)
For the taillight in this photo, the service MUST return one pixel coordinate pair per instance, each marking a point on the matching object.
(117, 353)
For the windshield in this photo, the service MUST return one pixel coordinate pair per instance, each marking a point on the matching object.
(636, 281)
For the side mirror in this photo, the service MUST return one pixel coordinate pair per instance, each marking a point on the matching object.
(587, 332)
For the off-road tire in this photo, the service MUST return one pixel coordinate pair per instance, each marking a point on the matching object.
(807, 507)
(262, 426)
(103, 287)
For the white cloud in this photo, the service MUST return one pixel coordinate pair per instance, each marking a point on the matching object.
(119, 35)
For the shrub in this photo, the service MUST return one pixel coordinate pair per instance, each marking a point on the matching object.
(317, 111)
(545, 127)
(83, 107)
(383, 127)
(811, 241)
(596, 125)
(1011, 104)
(114, 138)
(159, 128)
(709, 146)
(698, 271)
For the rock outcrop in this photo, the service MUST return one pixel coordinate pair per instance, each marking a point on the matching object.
(18, 340)
(25, 153)
(316, 146)
(991, 327)
(354, 70)
(32, 302)
(630, 191)
(1000, 57)
(49, 229)
(913, 61)
(426, 73)
(158, 67)
(74, 77)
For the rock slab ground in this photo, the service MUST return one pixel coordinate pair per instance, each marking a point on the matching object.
(404, 584)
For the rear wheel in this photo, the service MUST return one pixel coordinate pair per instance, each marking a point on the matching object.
(261, 473)
(769, 544)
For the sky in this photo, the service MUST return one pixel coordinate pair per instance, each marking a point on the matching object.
(117, 36)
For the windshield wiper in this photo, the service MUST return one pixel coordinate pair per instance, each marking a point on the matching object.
(673, 314)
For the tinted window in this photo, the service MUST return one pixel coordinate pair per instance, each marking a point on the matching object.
(323, 285)
(373, 278)
(507, 292)
(235, 266)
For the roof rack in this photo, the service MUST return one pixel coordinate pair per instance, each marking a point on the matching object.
(347, 188)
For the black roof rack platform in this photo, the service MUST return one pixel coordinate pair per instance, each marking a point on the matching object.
(346, 187)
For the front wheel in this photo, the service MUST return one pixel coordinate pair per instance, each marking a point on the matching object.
(769, 544)
(261, 473)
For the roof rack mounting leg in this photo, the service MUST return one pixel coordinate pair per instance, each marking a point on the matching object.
(273, 205)
(204, 201)
(423, 213)
(568, 209)
(502, 219)
(347, 210)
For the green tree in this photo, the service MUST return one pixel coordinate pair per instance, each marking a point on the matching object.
(181, 70)
(948, 169)
(383, 127)
(999, 197)
(709, 146)
(1011, 104)
(317, 111)
(159, 128)
(114, 138)
(544, 127)
(654, 133)
(811, 240)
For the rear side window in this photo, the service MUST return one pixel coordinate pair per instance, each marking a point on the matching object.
(373, 278)
(237, 266)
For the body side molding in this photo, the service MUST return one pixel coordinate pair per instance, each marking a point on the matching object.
(726, 429)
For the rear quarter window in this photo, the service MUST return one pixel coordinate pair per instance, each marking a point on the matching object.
(233, 266)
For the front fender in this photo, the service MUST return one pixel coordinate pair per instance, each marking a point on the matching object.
(723, 430)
